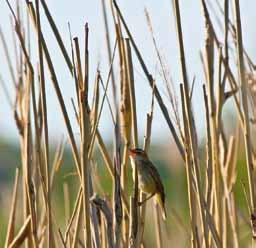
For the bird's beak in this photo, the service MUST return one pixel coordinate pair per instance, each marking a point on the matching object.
(131, 152)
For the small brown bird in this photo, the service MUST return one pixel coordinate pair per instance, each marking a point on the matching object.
(148, 178)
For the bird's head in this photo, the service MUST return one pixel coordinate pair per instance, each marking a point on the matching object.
(138, 154)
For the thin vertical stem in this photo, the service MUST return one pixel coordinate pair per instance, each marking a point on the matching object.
(191, 127)
(244, 87)
(45, 126)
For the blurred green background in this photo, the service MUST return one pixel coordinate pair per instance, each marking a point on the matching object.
(171, 169)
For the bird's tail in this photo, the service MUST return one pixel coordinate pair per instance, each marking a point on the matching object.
(160, 203)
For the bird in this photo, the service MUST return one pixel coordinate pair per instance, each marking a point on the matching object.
(149, 180)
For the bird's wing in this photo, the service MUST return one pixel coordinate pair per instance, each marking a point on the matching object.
(155, 175)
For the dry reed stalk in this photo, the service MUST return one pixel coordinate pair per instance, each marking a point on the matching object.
(173, 101)
(61, 239)
(78, 223)
(103, 207)
(225, 204)
(84, 121)
(96, 133)
(189, 174)
(146, 145)
(103, 231)
(217, 141)
(45, 128)
(229, 176)
(159, 239)
(12, 217)
(135, 218)
(57, 90)
(22, 234)
(19, 119)
(209, 53)
(231, 28)
(150, 80)
(165, 75)
(95, 127)
(95, 101)
(29, 193)
(125, 120)
(76, 207)
(106, 25)
(124, 111)
(246, 129)
(225, 60)
(222, 97)
(94, 214)
(117, 189)
(57, 161)
(28, 188)
(57, 35)
(117, 202)
(191, 128)
(209, 173)
(109, 164)
(66, 193)
(105, 155)
(15, 46)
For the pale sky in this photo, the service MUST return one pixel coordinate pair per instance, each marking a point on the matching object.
(78, 12)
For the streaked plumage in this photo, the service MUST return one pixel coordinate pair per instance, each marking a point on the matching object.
(148, 177)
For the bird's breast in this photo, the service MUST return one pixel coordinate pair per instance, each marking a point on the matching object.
(146, 181)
